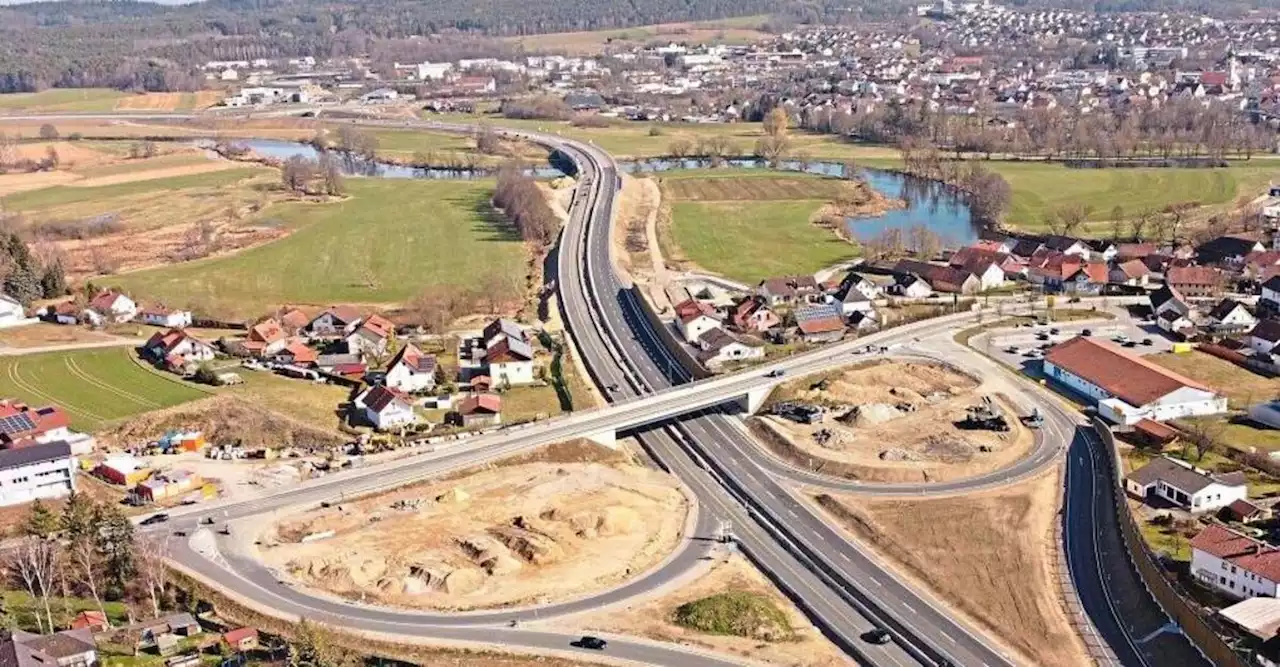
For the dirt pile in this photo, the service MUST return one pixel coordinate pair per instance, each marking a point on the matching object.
(224, 419)
(508, 534)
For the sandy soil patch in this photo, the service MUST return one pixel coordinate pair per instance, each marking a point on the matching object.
(529, 531)
(151, 174)
(43, 334)
(170, 101)
(637, 200)
(895, 421)
(70, 154)
(991, 555)
(653, 619)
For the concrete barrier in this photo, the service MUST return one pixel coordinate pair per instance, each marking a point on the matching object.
(1182, 611)
(675, 346)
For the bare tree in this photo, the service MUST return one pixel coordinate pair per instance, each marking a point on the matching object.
(680, 147)
(84, 559)
(35, 561)
(152, 570)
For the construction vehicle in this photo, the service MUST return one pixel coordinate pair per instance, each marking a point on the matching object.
(985, 416)
(1033, 420)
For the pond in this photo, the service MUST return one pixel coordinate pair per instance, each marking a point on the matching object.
(940, 208)
(355, 166)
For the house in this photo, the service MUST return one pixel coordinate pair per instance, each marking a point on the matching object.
(718, 347)
(1068, 246)
(21, 425)
(1185, 486)
(988, 266)
(265, 338)
(1269, 302)
(940, 278)
(110, 307)
(1230, 316)
(695, 318)
(386, 408)
(910, 286)
(168, 485)
(819, 323)
(37, 471)
(1235, 564)
(502, 328)
(371, 336)
(856, 302)
(856, 283)
(92, 619)
(241, 639)
(1131, 273)
(1088, 279)
(412, 370)
(177, 349)
(1229, 250)
(11, 312)
(753, 315)
(1194, 281)
(864, 320)
(1168, 299)
(1244, 511)
(788, 289)
(479, 411)
(160, 316)
(296, 353)
(1265, 336)
(61, 313)
(293, 320)
(336, 321)
(66, 648)
(1127, 387)
(122, 469)
(327, 362)
(509, 361)
(1130, 251)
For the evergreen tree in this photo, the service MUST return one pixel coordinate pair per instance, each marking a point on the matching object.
(54, 281)
(115, 543)
(41, 521)
(23, 285)
(79, 517)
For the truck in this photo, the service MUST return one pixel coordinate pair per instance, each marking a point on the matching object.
(1034, 419)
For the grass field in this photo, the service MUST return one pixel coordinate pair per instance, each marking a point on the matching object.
(180, 159)
(762, 229)
(67, 194)
(384, 244)
(95, 386)
(62, 99)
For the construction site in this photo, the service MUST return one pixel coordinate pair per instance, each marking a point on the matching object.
(569, 520)
(895, 421)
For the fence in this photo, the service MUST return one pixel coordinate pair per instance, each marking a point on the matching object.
(1178, 608)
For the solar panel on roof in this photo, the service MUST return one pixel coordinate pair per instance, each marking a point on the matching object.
(18, 423)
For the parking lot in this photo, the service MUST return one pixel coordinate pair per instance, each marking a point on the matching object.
(1021, 347)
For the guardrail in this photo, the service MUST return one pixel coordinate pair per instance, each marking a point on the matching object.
(1178, 608)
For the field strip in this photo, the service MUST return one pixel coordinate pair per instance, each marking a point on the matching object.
(23, 385)
(95, 381)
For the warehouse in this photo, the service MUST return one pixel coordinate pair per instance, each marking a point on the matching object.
(1127, 387)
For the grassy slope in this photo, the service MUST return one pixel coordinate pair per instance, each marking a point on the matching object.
(385, 243)
(753, 240)
(62, 99)
(67, 194)
(95, 386)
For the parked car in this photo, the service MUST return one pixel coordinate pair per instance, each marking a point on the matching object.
(1086, 332)
(1012, 349)
(775, 373)
(877, 636)
(1148, 342)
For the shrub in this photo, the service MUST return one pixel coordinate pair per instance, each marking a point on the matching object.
(739, 614)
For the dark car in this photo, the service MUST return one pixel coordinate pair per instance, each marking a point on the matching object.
(775, 373)
(154, 519)
(1148, 342)
(1086, 332)
(1053, 331)
(1130, 343)
(877, 636)
(593, 643)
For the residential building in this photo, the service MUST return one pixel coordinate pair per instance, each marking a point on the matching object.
(336, 321)
(940, 278)
(1127, 387)
(265, 338)
(1235, 564)
(987, 265)
(788, 289)
(1186, 486)
(819, 323)
(695, 318)
(386, 408)
(371, 336)
(1265, 336)
(11, 312)
(1131, 273)
(21, 425)
(66, 648)
(241, 639)
(293, 320)
(177, 349)
(1230, 250)
(37, 471)
(412, 370)
(479, 411)
(1089, 279)
(1269, 302)
(92, 619)
(1230, 316)
(1195, 281)
(502, 328)
(753, 315)
(296, 353)
(509, 362)
(718, 347)
(1168, 299)
(910, 286)
(110, 307)
(160, 316)
(61, 313)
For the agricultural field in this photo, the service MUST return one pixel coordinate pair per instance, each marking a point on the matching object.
(739, 30)
(761, 227)
(384, 244)
(96, 387)
(202, 99)
(61, 99)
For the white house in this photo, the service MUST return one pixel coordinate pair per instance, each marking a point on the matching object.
(11, 312)
(336, 321)
(411, 370)
(371, 337)
(176, 346)
(509, 362)
(1184, 485)
(719, 347)
(912, 287)
(165, 317)
(36, 471)
(1127, 387)
(429, 71)
(1231, 315)
(386, 408)
(695, 318)
(111, 307)
(1235, 564)
(1265, 336)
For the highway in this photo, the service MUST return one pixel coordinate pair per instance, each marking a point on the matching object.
(844, 590)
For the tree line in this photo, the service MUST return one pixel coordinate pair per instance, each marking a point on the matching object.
(523, 204)
(23, 275)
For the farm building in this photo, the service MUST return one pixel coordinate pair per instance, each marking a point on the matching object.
(1127, 387)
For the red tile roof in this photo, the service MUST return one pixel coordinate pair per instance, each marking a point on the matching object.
(344, 313)
(379, 397)
(300, 352)
(238, 635)
(1242, 551)
(1128, 377)
(691, 309)
(378, 325)
(481, 404)
(266, 331)
(1193, 275)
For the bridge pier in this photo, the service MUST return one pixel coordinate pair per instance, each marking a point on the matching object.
(607, 438)
(754, 399)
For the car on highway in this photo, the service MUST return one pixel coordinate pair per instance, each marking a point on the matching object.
(775, 373)
(1053, 331)
(1130, 343)
(877, 636)
(1012, 349)
(593, 643)
(154, 519)
(1086, 332)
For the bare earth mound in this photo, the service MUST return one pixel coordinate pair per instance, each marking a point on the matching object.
(526, 531)
(224, 419)
(989, 555)
(896, 421)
